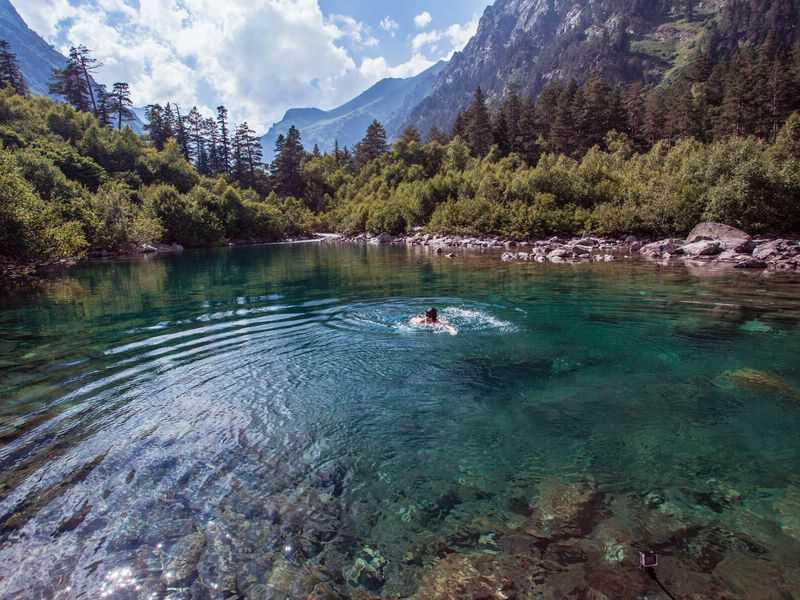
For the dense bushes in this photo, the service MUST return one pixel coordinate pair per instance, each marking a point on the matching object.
(742, 181)
(70, 185)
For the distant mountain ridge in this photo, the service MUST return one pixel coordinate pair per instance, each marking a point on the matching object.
(388, 101)
(35, 56)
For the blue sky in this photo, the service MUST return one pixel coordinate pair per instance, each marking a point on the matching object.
(258, 57)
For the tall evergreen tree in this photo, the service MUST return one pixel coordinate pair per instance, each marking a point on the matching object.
(224, 140)
(287, 177)
(70, 83)
(104, 105)
(479, 129)
(194, 129)
(437, 135)
(211, 136)
(10, 73)
(247, 155)
(87, 64)
(120, 104)
(373, 146)
(181, 134)
(156, 126)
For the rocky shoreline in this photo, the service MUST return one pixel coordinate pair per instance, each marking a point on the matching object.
(708, 243)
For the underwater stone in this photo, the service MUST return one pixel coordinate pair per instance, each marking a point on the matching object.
(754, 380)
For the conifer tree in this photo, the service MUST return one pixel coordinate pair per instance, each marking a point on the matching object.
(373, 145)
(247, 155)
(104, 105)
(87, 64)
(69, 83)
(120, 104)
(316, 152)
(10, 73)
(182, 135)
(224, 140)
(194, 129)
(287, 177)
(479, 129)
(211, 137)
(156, 125)
(437, 135)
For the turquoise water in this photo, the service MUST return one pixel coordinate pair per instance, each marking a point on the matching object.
(265, 422)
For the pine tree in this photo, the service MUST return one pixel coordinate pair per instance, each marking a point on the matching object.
(224, 140)
(437, 135)
(511, 110)
(563, 133)
(287, 177)
(10, 73)
(120, 104)
(547, 107)
(70, 83)
(194, 129)
(373, 145)
(601, 112)
(181, 134)
(87, 65)
(155, 126)
(411, 134)
(336, 152)
(211, 135)
(247, 155)
(633, 102)
(104, 105)
(316, 152)
(529, 132)
(479, 128)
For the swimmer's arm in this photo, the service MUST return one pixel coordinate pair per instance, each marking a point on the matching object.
(450, 328)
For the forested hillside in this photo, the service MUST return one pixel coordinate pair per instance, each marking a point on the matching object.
(70, 185)
(522, 45)
(717, 140)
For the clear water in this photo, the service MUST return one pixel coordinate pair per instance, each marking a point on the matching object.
(265, 422)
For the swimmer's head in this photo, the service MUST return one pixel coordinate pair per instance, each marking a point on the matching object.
(432, 314)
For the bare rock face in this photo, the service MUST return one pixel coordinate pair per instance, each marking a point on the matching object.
(729, 238)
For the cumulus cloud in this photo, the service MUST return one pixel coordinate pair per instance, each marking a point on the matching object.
(422, 20)
(257, 58)
(455, 37)
(389, 25)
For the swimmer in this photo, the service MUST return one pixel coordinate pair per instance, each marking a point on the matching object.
(432, 318)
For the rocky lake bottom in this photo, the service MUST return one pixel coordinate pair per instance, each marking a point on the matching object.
(265, 422)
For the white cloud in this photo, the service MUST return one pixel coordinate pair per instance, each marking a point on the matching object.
(257, 58)
(422, 20)
(377, 68)
(389, 25)
(456, 37)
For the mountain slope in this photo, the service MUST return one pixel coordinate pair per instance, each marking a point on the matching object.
(36, 57)
(388, 101)
(523, 44)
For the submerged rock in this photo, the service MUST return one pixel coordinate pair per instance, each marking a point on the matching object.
(563, 509)
(759, 381)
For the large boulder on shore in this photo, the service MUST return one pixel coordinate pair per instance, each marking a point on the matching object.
(658, 249)
(382, 239)
(729, 238)
(697, 249)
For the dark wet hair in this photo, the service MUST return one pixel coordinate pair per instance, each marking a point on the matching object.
(431, 313)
